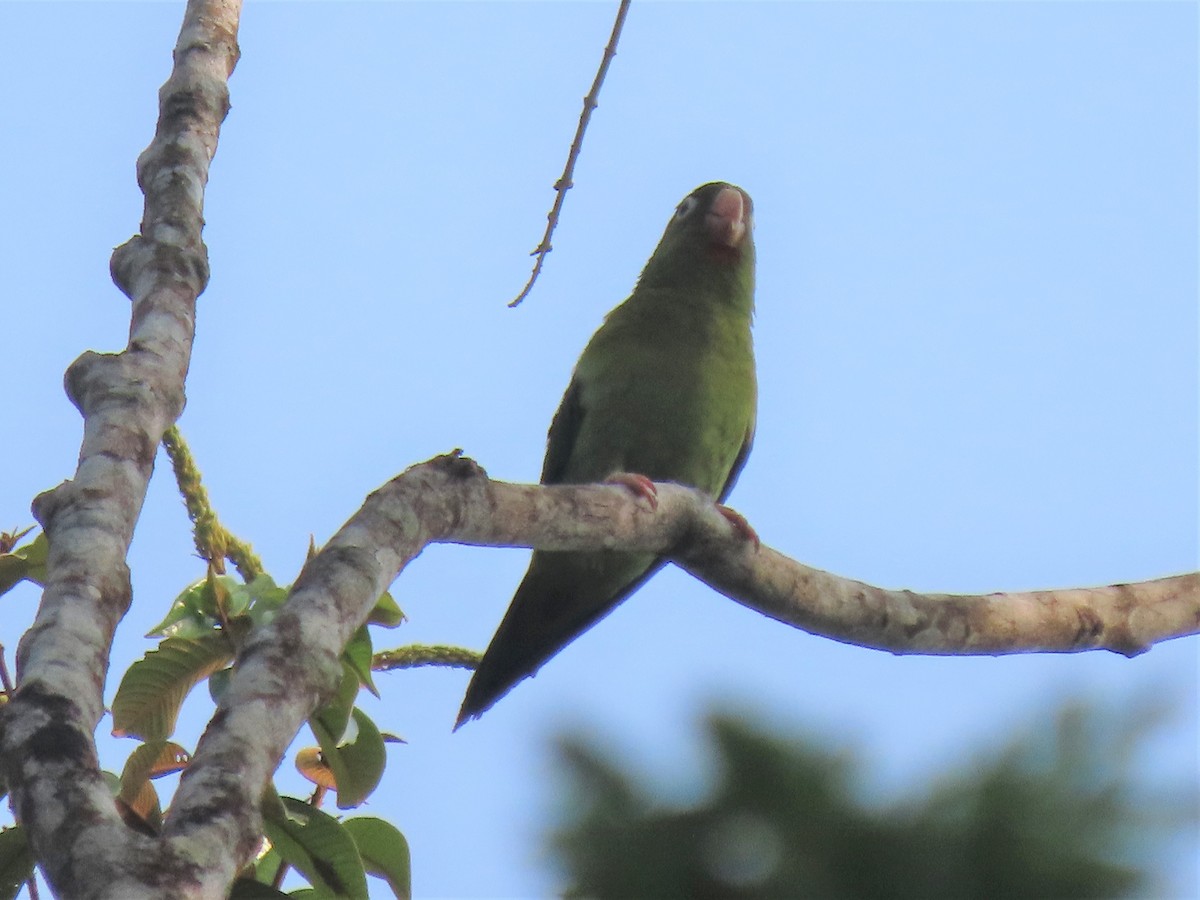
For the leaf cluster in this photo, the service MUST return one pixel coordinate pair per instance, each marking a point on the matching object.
(197, 642)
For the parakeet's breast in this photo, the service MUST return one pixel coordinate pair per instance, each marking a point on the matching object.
(674, 403)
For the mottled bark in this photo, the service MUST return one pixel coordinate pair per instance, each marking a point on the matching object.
(127, 400)
(288, 665)
(451, 499)
(47, 749)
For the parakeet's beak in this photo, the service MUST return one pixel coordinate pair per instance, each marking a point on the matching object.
(727, 220)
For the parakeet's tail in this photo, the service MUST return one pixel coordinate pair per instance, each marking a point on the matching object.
(562, 595)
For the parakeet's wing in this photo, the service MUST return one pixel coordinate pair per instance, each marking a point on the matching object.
(564, 429)
(562, 595)
(736, 469)
(581, 588)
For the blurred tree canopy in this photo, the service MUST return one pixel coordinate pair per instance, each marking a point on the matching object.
(1055, 814)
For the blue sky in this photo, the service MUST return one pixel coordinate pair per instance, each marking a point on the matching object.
(976, 336)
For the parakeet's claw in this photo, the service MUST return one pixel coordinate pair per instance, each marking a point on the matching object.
(641, 486)
(740, 525)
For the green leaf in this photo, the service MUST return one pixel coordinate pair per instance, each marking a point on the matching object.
(153, 689)
(249, 889)
(194, 613)
(357, 762)
(271, 804)
(24, 563)
(112, 781)
(387, 612)
(16, 861)
(218, 683)
(266, 867)
(190, 615)
(322, 850)
(384, 851)
(358, 653)
(267, 598)
(334, 716)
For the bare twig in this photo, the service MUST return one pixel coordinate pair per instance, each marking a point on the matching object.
(564, 182)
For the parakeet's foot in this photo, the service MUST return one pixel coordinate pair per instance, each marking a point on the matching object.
(641, 486)
(740, 525)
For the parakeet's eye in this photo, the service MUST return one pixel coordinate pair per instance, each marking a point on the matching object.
(684, 209)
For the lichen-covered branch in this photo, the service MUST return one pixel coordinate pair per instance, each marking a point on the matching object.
(127, 401)
(687, 528)
(290, 664)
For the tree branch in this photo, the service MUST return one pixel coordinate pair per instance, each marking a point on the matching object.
(127, 401)
(290, 664)
(687, 529)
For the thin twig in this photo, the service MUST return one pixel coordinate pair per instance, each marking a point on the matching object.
(564, 182)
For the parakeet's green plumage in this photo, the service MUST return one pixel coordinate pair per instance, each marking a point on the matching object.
(665, 389)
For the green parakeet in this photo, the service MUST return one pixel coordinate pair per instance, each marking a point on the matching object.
(665, 389)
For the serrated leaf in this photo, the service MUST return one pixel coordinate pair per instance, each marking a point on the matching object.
(16, 861)
(358, 653)
(357, 763)
(319, 847)
(384, 851)
(153, 689)
(25, 563)
(387, 612)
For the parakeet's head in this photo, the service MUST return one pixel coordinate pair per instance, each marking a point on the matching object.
(709, 239)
